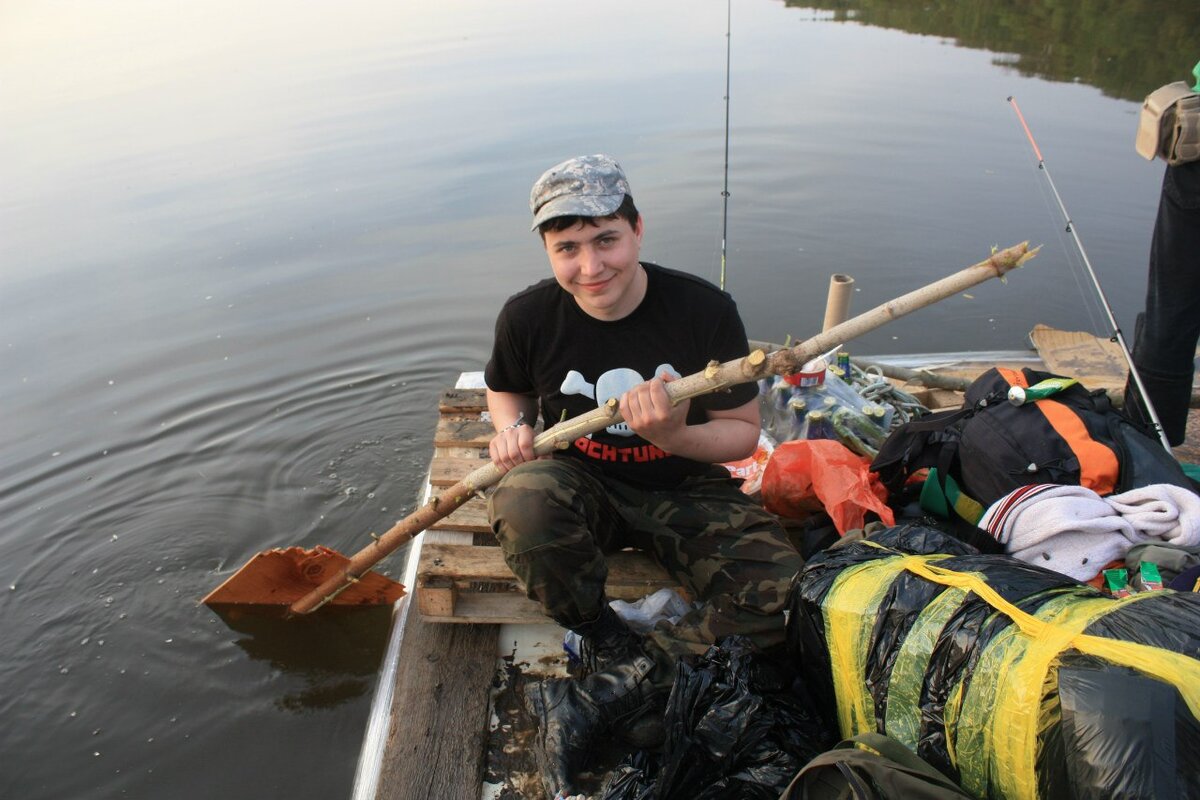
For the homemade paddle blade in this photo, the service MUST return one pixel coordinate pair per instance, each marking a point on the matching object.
(283, 576)
(302, 581)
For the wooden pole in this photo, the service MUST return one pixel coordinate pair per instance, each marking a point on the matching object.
(714, 378)
(922, 376)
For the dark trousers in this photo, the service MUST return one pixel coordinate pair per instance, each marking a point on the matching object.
(557, 518)
(1165, 340)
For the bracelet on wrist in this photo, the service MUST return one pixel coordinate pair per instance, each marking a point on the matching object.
(520, 420)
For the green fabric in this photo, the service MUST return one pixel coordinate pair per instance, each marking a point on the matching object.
(871, 766)
(1191, 470)
(890, 748)
(938, 503)
(932, 498)
(1196, 74)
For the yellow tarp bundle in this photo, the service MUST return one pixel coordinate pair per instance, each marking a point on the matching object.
(995, 714)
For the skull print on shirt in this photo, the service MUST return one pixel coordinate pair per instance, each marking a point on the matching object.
(612, 384)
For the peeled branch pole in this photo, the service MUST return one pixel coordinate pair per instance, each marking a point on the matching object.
(714, 378)
(924, 377)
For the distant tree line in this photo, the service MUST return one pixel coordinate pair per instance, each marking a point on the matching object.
(1125, 48)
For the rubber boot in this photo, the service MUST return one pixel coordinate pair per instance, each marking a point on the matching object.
(607, 641)
(572, 715)
(604, 641)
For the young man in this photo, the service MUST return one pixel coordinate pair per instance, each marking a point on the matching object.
(608, 325)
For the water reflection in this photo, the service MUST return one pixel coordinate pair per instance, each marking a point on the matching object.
(335, 652)
(1125, 49)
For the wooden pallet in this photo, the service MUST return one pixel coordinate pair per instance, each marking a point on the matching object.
(461, 574)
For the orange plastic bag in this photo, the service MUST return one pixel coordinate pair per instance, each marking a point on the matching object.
(807, 475)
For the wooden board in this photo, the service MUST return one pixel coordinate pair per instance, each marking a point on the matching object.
(442, 687)
(447, 470)
(455, 430)
(463, 401)
(471, 517)
(439, 715)
(934, 399)
(1094, 362)
(469, 583)
(471, 563)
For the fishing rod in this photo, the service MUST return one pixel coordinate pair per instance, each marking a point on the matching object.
(725, 189)
(1116, 335)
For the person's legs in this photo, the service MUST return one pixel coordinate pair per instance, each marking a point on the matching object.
(1165, 340)
(730, 553)
(553, 520)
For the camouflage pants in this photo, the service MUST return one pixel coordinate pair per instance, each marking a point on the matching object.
(555, 519)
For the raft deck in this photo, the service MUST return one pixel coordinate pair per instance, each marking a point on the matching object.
(447, 718)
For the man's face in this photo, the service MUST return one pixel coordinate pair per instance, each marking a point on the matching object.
(598, 265)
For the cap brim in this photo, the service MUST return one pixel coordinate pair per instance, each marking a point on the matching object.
(596, 205)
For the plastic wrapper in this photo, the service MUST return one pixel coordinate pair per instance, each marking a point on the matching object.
(1013, 680)
(750, 469)
(739, 726)
(806, 476)
(828, 409)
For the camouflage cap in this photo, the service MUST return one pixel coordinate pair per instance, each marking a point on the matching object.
(586, 186)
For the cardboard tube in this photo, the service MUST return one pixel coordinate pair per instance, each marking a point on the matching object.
(837, 305)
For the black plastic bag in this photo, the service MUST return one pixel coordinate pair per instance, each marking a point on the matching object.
(928, 660)
(633, 779)
(739, 725)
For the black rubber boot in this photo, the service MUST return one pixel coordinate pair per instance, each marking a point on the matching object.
(606, 640)
(573, 714)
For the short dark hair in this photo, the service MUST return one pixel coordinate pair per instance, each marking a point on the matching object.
(626, 211)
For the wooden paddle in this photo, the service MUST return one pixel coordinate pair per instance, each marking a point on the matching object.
(305, 580)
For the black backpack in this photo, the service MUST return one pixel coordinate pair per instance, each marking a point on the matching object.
(885, 770)
(990, 446)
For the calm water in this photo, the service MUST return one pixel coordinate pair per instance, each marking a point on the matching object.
(244, 246)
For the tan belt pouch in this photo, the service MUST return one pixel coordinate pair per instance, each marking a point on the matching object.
(1169, 126)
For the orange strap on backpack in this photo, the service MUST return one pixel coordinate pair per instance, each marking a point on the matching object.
(1098, 465)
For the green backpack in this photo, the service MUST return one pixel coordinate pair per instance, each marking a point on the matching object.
(887, 770)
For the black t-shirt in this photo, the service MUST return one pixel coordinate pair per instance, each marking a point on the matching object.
(547, 346)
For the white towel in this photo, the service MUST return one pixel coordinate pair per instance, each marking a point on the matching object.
(1161, 511)
(1069, 529)
(1073, 530)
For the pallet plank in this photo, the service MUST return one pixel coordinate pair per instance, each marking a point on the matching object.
(460, 451)
(475, 608)
(471, 517)
(462, 401)
(459, 431)
(437, 598)
(470, 563)
(448, 577)
(449, 470)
